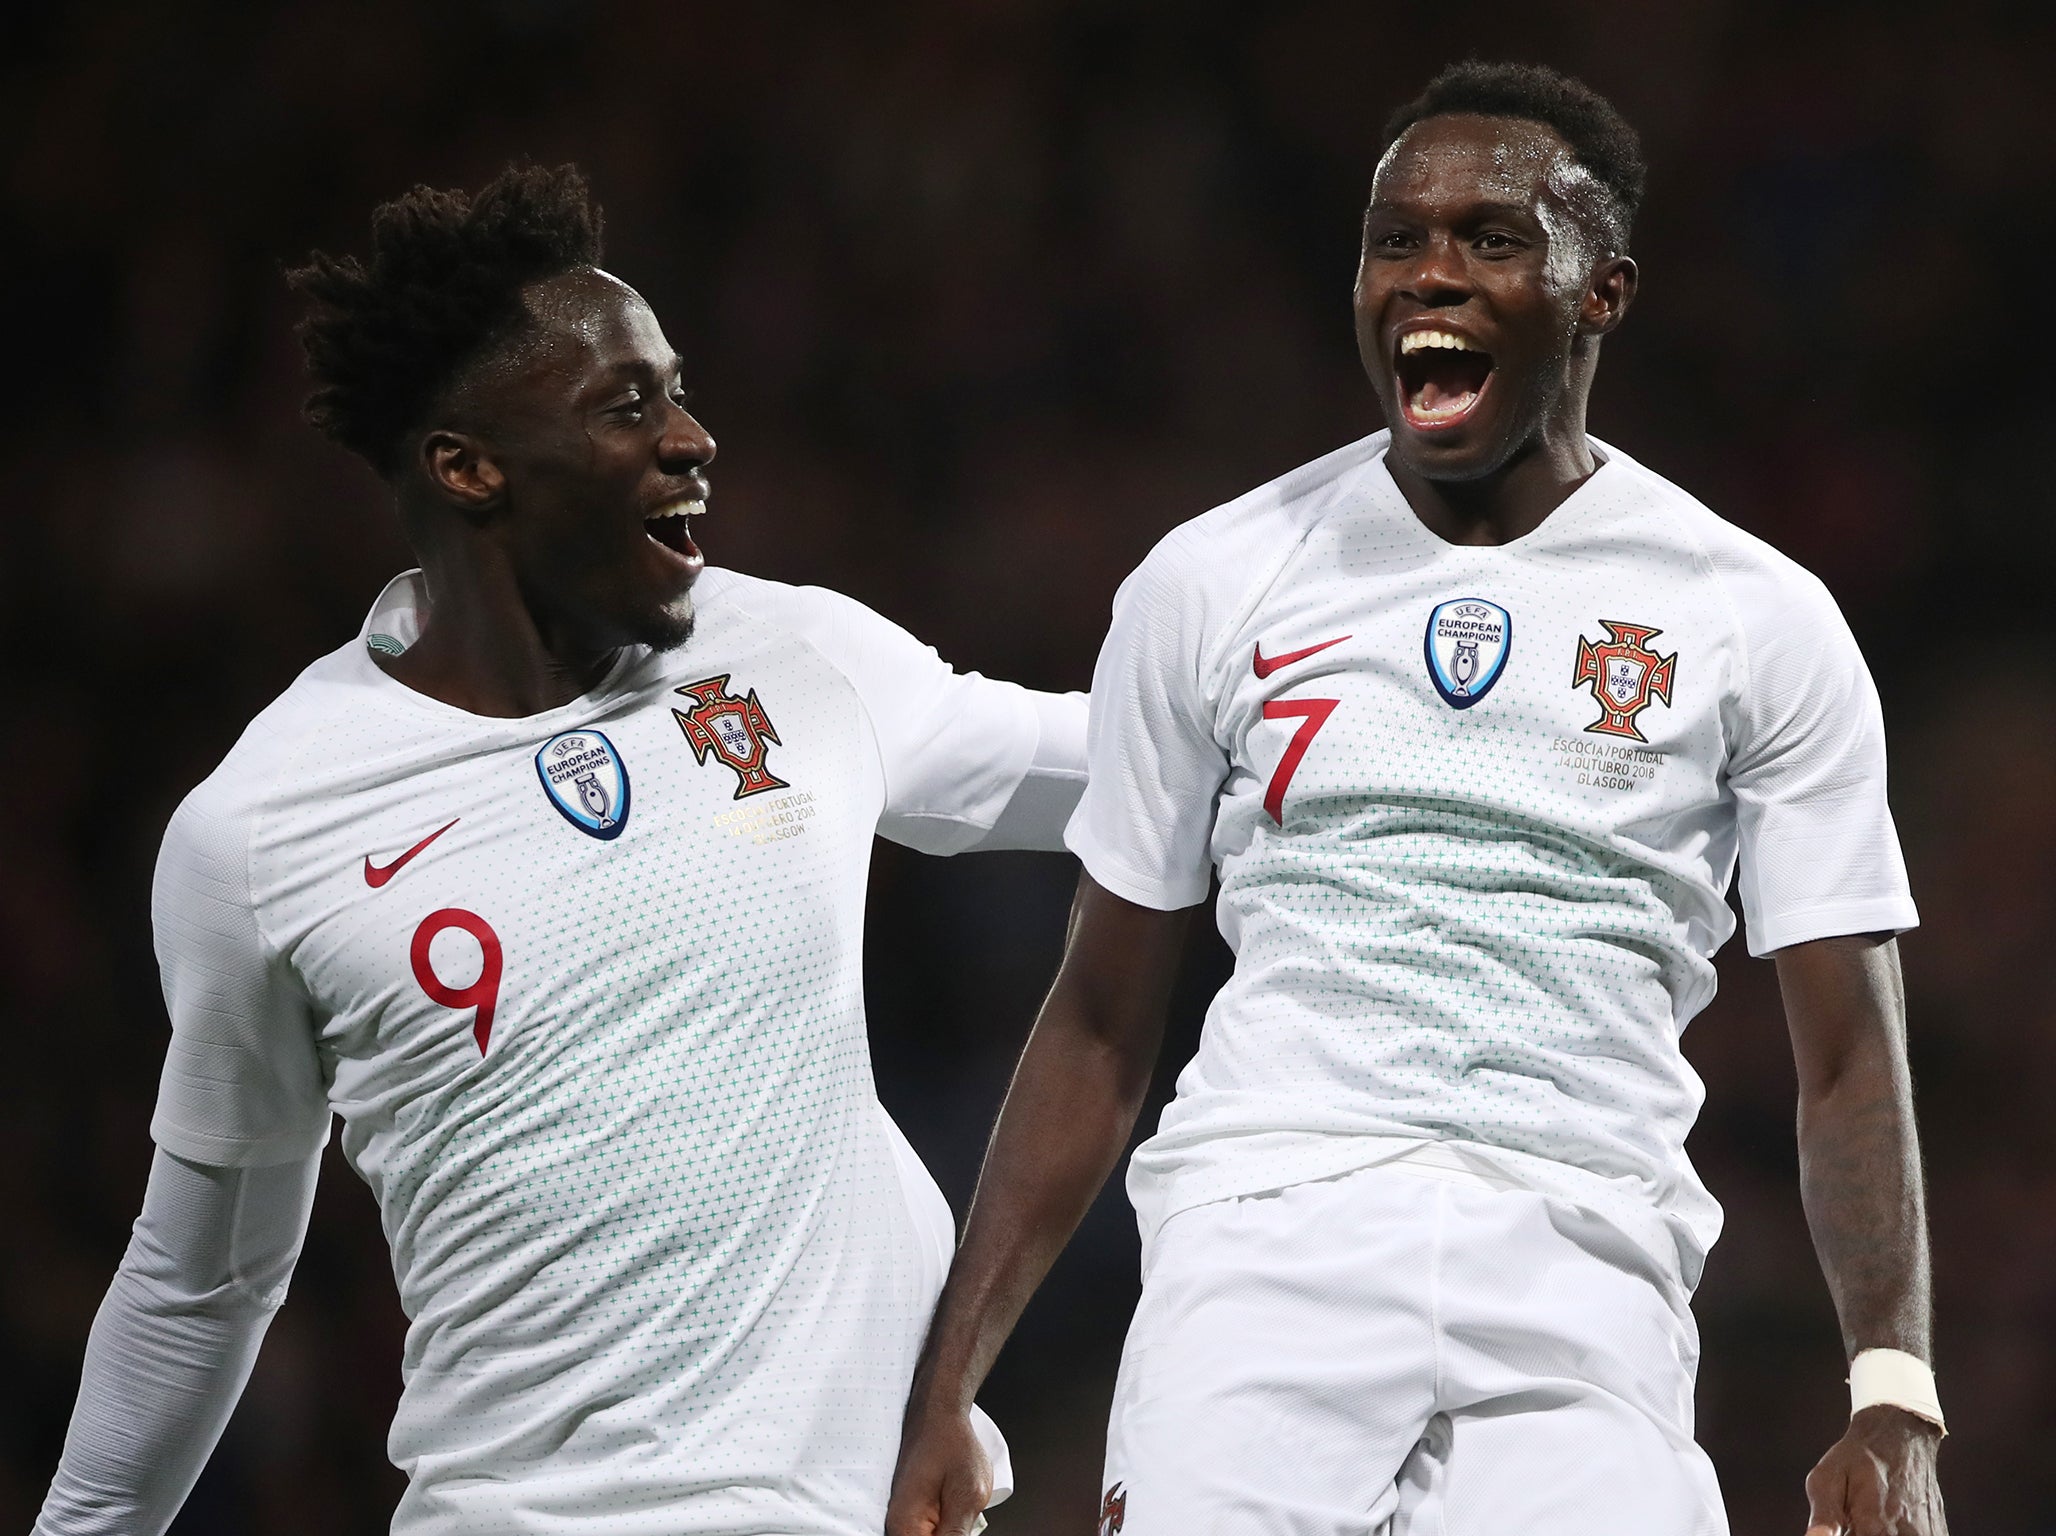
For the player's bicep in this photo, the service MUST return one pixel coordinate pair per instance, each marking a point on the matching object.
(1120, 961)
(1845, 1000)
(242, 1083)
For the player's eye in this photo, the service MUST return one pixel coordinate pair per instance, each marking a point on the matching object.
(1496, 240)
(628, 408)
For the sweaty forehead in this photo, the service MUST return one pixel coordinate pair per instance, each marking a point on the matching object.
(589, 320)
(1449, 161)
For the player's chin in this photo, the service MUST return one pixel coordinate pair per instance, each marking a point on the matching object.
(1466, 449)
(664, 626)
(661, 614)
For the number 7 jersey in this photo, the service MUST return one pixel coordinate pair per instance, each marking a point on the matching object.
(1475, 811)
(584, 990)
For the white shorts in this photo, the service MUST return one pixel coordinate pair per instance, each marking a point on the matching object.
(1390, 1352)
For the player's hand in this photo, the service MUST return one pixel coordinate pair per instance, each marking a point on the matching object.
(1878, 1479)
(943, 1480)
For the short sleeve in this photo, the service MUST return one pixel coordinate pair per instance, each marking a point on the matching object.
(1154, 767)
(242, 1083)
(1820, 856)
(954, 746)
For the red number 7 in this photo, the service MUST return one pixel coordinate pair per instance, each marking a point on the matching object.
(1312, 715)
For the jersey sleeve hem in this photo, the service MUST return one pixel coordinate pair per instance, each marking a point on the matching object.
(986, 786)
(218, 1151)
(1893, 915)
(1010, 766)
(1161, 895)
(1046, 795)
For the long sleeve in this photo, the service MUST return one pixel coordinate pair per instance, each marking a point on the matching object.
(1042, 802)
(175, 1339)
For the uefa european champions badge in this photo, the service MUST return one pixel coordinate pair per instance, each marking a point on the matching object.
(586, 780)
(1467, 644)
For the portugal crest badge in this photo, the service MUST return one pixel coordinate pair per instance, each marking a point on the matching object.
(1113, 1510)
(735, 730)
(1467, 644)
(1626, 676)
(586, 781)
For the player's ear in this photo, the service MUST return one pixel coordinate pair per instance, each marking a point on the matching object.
(1608, 294)
(461, 471)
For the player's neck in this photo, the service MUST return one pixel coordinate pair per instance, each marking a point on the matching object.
(1503, 506)
(483, 651)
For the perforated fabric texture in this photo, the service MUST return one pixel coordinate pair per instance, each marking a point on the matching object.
(1475, 908)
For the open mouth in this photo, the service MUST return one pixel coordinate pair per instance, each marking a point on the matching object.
(670, 526)
(1442, 377)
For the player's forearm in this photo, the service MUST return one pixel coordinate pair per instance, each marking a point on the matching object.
(1860, 1177)
(1859, 1155)
(1066, 1121)
(1067, 1117)
(174, 1342)
(157, 1390)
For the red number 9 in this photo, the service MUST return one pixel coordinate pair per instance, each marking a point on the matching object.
(484, 993)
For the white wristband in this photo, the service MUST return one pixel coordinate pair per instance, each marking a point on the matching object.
(1895, 1377)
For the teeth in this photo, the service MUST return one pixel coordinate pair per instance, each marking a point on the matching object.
(1455, 407)
(1414, 341)
(679, 509)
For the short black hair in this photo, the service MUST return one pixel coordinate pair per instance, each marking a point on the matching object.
(1600, 139)
(442, 288)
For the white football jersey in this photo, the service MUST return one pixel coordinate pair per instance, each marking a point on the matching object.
(585, 992)
(1474, 811)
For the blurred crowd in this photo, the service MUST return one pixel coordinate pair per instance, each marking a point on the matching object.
(980, 297)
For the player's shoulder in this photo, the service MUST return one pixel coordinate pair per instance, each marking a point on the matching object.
(782, 603)
(1757, 576)
(1279, 511)
(212, 826)
(1212, 560)
(841, 628)
(293, 733)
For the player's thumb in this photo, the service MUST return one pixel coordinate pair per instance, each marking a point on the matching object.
(912, 1512)
(965, 1492)
(932, 1498)
(1827, 1502)
(915, 1507)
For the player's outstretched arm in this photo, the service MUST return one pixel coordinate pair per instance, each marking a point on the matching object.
(1067, 1116)
(174, 1341)
(1040, 807)
(1859, 1171)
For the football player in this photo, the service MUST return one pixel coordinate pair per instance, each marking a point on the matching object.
(549, 886)
(1473, 719)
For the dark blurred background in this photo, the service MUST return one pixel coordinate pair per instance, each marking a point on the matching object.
(980, 297)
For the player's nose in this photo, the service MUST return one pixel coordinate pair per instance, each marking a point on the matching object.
(1438, 276)
(684, 444)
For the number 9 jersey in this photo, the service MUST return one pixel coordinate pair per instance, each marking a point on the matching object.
(584, 990)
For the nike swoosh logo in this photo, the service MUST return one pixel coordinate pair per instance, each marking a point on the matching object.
(376, 875)
(1264, 665)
